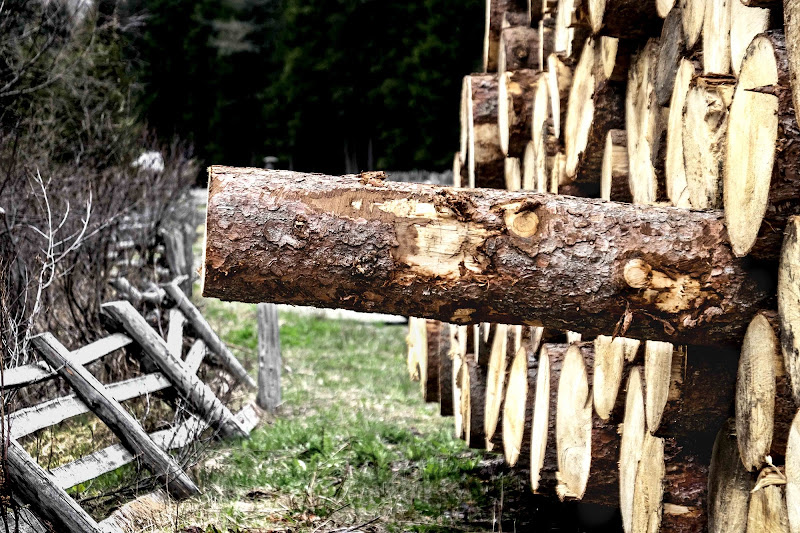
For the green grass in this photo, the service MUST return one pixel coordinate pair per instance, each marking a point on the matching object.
(353, 441)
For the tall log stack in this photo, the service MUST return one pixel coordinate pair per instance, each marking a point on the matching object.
(689, 301)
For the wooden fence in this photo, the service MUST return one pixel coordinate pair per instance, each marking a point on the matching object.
(44, 491)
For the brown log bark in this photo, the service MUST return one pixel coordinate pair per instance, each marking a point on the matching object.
(671, 49)
(624, 19)
(429, 362)
(789, 304)
(614, 185)
(546, 40)
(495, 14)
(515, 110)
(761, 176)
(485, 159)
(791, 19)
(473, 402)
(518, 49)
(365, 244)
(446, 370)
(595, 106)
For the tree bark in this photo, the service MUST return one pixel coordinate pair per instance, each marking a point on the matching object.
(624, 19)
(473, 403)
(485, 159)
(446, 348)
(429, 362)
(515, 110)
(518, 49)
(671, 49)
(762, 174)
(369, 245)
(495, 14)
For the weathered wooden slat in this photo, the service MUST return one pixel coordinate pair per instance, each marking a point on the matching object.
(121, 422)
(21, 520)
(249, 416)
(175, 332)
(34, 373)
(269, 358)
(199, 396)
(203, 329)
(195, 356)
(26, 421)
(38, 488)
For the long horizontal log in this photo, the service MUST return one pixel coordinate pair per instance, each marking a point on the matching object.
(481, 255)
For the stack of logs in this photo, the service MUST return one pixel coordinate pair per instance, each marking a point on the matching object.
(660, 103)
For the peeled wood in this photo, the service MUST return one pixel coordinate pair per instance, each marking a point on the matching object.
(693, 13)
(645, 122)
(705, 138)
(657, 373)
(515, 110)
(674, 163)
(789, 303)
(518, 405)
(729, 485)
(198, 395)
(671, 49)
(595, 106)
(746, 23)
(793, 475)
(767, 511)
(615, 171)
(764, 404)
(458, 352)
(495, 13)
(379, 245)
(628, 19)
(473, 403)
(610, 355)
(716, 37)
(513, 174)
(518, 49)
(415, 342)
(485, 159)
(529, 168)
(113, 415)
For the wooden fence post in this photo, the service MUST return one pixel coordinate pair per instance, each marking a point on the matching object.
(37, 487)
(203, 329)
(125, 427)
(200, 397)
(269, 358)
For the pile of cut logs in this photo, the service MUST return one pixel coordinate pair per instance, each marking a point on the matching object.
(632, 171)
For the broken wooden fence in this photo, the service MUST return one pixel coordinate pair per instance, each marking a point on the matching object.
(44, 490)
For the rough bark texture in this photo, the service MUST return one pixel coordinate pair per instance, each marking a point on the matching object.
(429, 377)
(789, 303)
(495, 14)
(519, 49)
(446, 347)
(469, 256)
(473, 402)
(515, 110)
(671, 48)
(486, 162)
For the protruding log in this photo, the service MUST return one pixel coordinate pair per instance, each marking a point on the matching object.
(518, 405)
(693, 13)
(513, 174)
(663, 7)
(460, 177)
(495, 14)
(610, 355)
(571, 28)
(764, 403)
(473, 403)
(793, 475)
(486, 162)
(416, 340)
(559, 83)
(645, 122)
(624, 19)
(464, 113)
(789, 303)
(729, 485)
(429, 361)
(761, 171)
(458, 352)
(515, 110)
(542, 440)
(630, 449)
(657, 374)
(502, 354)
(518, 49)
(705, 138)
(674, 163)
(767, 511)
(595, 106)
(446, 370)
(615, 172)
(717, 37)
(380, 246)
(671, 49)
(746, 23)
(546, 40)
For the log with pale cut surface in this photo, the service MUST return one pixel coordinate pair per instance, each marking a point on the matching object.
(633, 430)
(415, 340)
(595, 106)
(529, 168)
(559, 82)
(610, 356)
(518, 405)
(729, 484)
(513, 174)
(663, 7)
(624, 19)
(705, 138)
(614, 172)
(793, 475)
(692, 15)
(761, 174)
(464, 112)
(495, 14)
(485, 159)
(717, 37)
(473, 388)
(515, 109)
(674, 163)
(571, 28)
(500, 358)
(671, 49)
(518, 49)
(766, 512)
(460, 178)
(746, 23)
(458, 351)
(764, 402)
(789, 303)
(366, 244)
(645, 122)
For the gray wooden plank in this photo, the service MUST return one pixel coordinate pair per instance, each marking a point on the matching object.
(269, 358)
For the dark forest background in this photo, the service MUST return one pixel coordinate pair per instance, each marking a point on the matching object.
(324, 85)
